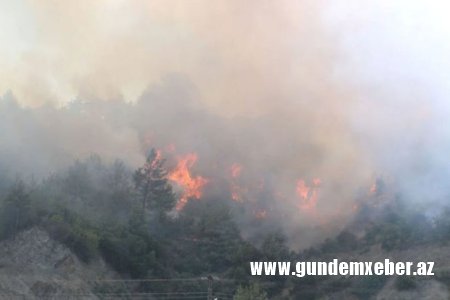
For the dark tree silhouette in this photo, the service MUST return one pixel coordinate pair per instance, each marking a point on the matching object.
(16, 209)
(152, 186)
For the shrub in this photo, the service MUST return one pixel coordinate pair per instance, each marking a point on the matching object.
(405, 283)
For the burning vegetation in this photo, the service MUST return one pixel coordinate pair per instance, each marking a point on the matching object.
(191, 186)
(255, 197)
(181, 175)
(279, 132)
(235, 189)
(308, 195)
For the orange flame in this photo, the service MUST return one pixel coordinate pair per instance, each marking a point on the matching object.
(373, 189)
(192, 186)
(236, 170)
(308, 194)
(235, 193)
(157, 158)
(236, 190)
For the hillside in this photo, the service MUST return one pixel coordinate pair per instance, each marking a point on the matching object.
(97, 221)
(35, 266)
(383, 287)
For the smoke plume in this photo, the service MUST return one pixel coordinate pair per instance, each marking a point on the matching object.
(292, 108)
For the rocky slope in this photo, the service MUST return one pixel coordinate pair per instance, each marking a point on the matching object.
(34, 266)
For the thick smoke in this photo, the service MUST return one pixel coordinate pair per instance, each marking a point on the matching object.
(289, 92)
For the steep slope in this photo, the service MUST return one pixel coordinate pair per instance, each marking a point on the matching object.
(34, 266)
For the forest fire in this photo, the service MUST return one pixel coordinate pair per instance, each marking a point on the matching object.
(308, 194)
(157, 158)
(235, 189)
(181, 175)
(235, 193)
(236, 170)
(373, 189)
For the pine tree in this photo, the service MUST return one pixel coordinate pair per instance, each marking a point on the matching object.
(16, 210)
(152, 186)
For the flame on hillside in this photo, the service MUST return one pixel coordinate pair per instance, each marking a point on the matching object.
(236, 170)
(235, 189)
(373, 189)
(157, 158)
(192, 186)
(308, 194)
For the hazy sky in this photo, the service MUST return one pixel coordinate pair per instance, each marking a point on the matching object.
(237, 54)
(359, 66)
(343, 90)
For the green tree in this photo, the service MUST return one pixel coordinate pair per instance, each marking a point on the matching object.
(274, 247)
(119, 192)
(251, 292)
(16, 211)
(78, 181)
(211, 237)
(152, 186)
(130, 249)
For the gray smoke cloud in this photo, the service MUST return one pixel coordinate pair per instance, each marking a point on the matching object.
(289, 91)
